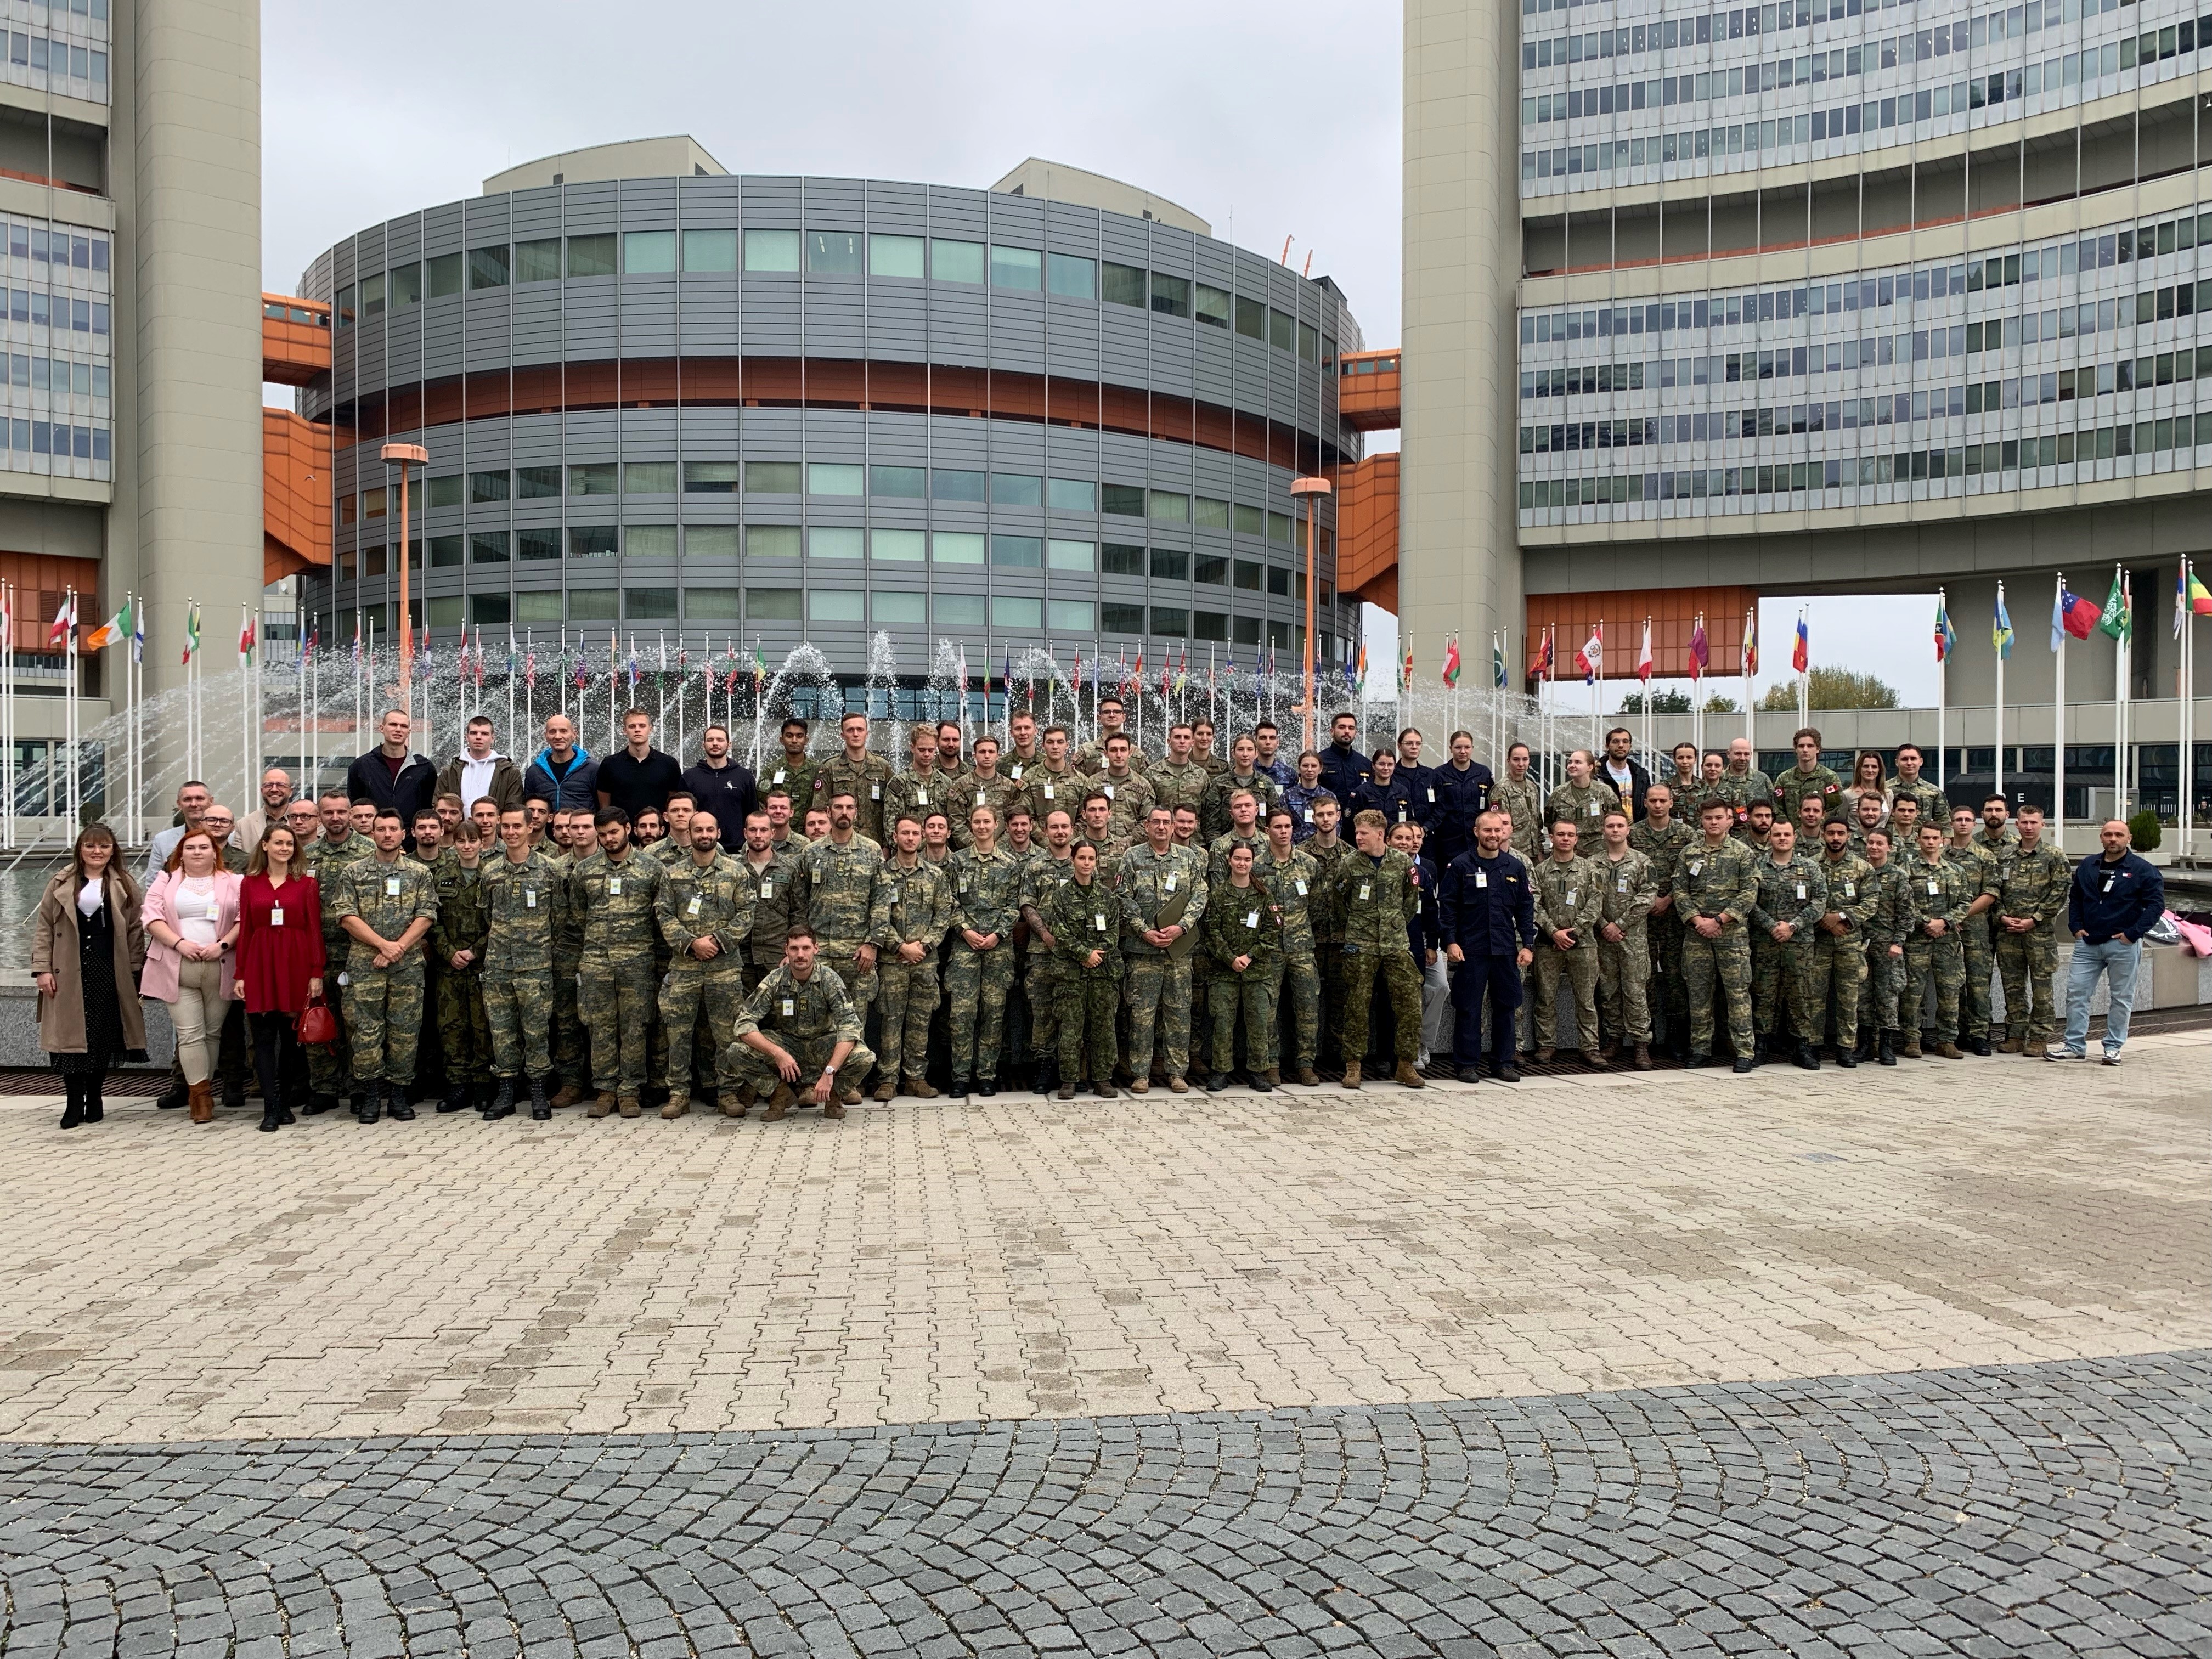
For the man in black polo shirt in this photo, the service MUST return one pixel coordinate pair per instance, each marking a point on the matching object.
(638, 775)
(722, 787)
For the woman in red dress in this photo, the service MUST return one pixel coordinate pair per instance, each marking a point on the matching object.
(280, 967)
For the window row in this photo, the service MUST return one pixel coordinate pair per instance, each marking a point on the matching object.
(58, 375)
(833, 253)
(84, 443)
(30, 57)
(57, 247)
(55, 311)
(1751, 23)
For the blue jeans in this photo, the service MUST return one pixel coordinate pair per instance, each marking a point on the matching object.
(2118, 957)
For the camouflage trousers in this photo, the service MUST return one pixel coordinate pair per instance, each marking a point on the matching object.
(615, 995)
(464, 1031)
(1885, 984)
(1536, 1013)
(692, 989)
(1721, 964)
(1980, 963)
(1839, 970)
(1040, 984)
(1782, 988)
(1159, 1012)
(1328, 970)
(519, 1008)
(329, 1064)
(1667, 996)
(1299, 1010)
(384, 1013)
(976, 986)
(906, 995)
(1580, 965)
(748, 1065)
(1084, 1008)
(1254, 992)
(1942, 962)
(1624, 977)
(1402, 979)
(859, 985)
(570, 1042)
(2028, 963)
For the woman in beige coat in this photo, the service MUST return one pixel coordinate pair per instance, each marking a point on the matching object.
(88, 945)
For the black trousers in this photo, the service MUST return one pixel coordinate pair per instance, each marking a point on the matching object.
(279, 1060)
(1479, 980)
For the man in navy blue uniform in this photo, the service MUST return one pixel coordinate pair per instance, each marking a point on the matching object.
(1488, 923)
(1343, 768)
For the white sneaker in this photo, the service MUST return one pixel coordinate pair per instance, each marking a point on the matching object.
(2112, 1056)
(2059, 1051)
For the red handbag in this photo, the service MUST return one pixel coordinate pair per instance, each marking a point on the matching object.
(317, 1025)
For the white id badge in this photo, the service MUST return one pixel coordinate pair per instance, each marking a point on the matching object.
(981, 799)
(1573, 896)
(692, 909)
(1169, 885)
(391, 887)
(790, 1008)
(1366, 892)
(614, 886)
(1432, 797)
(1108, 789)
(1308, 812)
(1048, 791)
(921, 796)
(1099, 921)
(1800, 890)
(1622, 886)
(778, 777)
(1251, 918)
(1696, 867)
(1593, 809)
(1301, 886)
(875, 792)
(1482, 878)
(276, 915)
(1851, 889)
(1935, 889)
(768, 889)
(530, 898)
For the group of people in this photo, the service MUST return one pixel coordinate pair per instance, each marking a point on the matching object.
(624, 932)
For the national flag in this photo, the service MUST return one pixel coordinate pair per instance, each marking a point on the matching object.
(1701, 651)
(1540, 665)
(2001, 628)
(1800, 654)
(1359, 670)
(64, 622)
(1750, 655)
(1497, 662)
(113, 631)
(760, 671)
(632, 664)
(2180, 596)
(1405, 670)
(8, 612)
(139, 632)
(1075, 674)
(1451, 663)
(1141, 666)
(2200, 600)
(1644, 664)
(583, 665)
(1589, 661)
(2118, 619)
(1946, 638)
(194, 640)
(2070, 615)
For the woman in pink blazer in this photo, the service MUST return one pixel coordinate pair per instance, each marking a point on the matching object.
(192, 930)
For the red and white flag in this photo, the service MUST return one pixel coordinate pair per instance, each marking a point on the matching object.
(64, 622)
(1643, 663)
(1590, 659)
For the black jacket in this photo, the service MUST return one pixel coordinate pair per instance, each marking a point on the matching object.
(1639, 780)
(414, 790)
(1495, 916)
(2127, 897)
(730, 793)
(1344, 771)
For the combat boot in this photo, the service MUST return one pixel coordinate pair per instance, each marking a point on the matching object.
(1048, 1077)
(601, 1107)
(1601, 1060)
(778, 1103)
(2012, 1045)
(1273, 1077)
(737, 1100)
(834, 1109)
(569, 1095)
(1911, 1048)
(1138, 1085)
(1885, 1048)
(1104, 1090)
(917, 1087)
(1643, 1056)
(627, 1106)
(502, 1102)
(1064, 1091)
(1351, 1074)
(1947, 1051)
(1743, 1064)
(540, 1107)
(1216, 1082)
(399, 1110)
(1699, 1061)
(456, 1098)
(1806, 1060)
(679, 1101)
(1546, 1055)
(1408, 1076)
(1307, 1076)
(1610, 1050)
(1847, 1057)
(887, 1089)
(1177, 1083)
(846, 1094)
(368, 1107)
(317, 1104)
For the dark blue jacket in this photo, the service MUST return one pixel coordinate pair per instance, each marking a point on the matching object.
(1423, 931)
(2126, 897)
(580, 788)
(1393, 801)
(1344, 771)
(1460, 797)
(1494, 918)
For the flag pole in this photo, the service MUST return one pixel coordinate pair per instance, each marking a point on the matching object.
(1942, 674)
(7, 713)
(2120, 701)
(2183, 613)
(75, 811)
(1999, 786)
(2058, 713)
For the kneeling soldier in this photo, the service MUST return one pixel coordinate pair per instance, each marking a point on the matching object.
(800, 1030)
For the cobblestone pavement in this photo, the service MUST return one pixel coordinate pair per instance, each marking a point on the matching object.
(1018, 1258)
(2061, 1509)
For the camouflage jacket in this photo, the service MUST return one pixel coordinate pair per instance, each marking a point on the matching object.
(836, 893)
(522, 904)
(1793, 785)
(1091, 759)
(1986, 871)
(1569, 897)
(1374, 901)
(1662, 848)
(389, 897)
(1241, 922)
(913, 907)
(1795, 892)
(714, 901)
(867, 783)
(783, 1005)
(1083, 920)
(2035, 883)
(1585, 805)
(1717, 882)
(1524, 801)
(1047, 791)
(1934, 808)
(1688, 792)
(1217, 854)
(1179, 783)
(1043, 876)
(775, 900)
(998, 793)
(1328, 926)
(1631, 886)
(1944, 888)
(985, 894)
(326, 861)
(1132, 798)
(1213, 807)
(917, 794)
(616, 901)
(1294, 883)
(780, 771)
(463, 923)
(1150, 883)
(1853, 892)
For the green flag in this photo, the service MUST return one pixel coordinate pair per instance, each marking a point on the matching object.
(2118, 620)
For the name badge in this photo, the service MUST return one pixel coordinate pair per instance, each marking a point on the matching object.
(1935, 888)
(778, 776)
(1048, 791)
(1573, 894)
(530, 898)
(1482, 878)
(981, 800)
(1696, 866)
(692, 908)
(1593, 809)
(1099, 920)
(1800, 890)
(1107, 788)
(2107, 888)
(1622, 886)
(1366, 891)
(1432, 797)
(1168, 886)
(276, 915)
(1301, 886)
(768, 889)
(790, 1008)
(391, 887)
(1851, 889)
(921, 796)
(614, 886)
(875, 792)
(1308, 812)
(1251, 918)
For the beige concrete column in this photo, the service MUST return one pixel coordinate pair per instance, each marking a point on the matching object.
(1459, 556)
(194, 265)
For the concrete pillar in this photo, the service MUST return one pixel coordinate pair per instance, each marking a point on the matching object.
(194, 219)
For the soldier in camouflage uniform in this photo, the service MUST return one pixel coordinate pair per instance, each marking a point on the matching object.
(1623, 942)
(1984, 865)
(1202, 748)
(1243, 936)
(1092, 759)
(1910, 784)
(1839, 956)
(913, 907)
(1569, 895)
(387, 904)
(983, 785)
(704, 910)
(1095, 823)
(616, 892)
(797, 1038)
(1164, 896)
(858, 771)
(571, 842)
(1686, 787)
(792, 770)
(1181, 779)
(1375, 900)
(1052, 784)
(1887, 928)
(2031, 900)
(986, 910)
(1214, 818)
(1583, 801)
(1789, 897)
(1661, 835)
(1328, 850)
(1714, 887)
(920, 789)
(1041, 878)
(1293, 880)
(1244, 830)
(774, 882)
(1128, 791)
(456, 945)
(1808, 778)
(1941, 892)
(1083, 918)
(329, 1064)
(834, 893)
(524, 894)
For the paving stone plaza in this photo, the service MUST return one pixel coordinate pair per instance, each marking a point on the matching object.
(1911, 1361)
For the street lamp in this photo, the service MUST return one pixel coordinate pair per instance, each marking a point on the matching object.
(404, 456)
(1313, 489)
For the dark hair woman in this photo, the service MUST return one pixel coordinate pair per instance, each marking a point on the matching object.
(87, 946)
(280, 967)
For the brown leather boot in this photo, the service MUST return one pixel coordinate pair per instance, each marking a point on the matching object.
(201, 1098)
(1139, 1085)
(1351, 1074)
(887, 1089)
(678, 1103)
(569, 1094)
(602, 1106)
(845, 1094)
(627, 1106)
(834, 1108)
(1546, 1055)
(1177, 1083)
(1598, 1060)
(1408, 1077)
(1306, 1076)
(1610, 1050)
(778, 1103)
(1274, 1076)
(1643, 1056)
(737, 1101)
(918, 1088)
(2011, 1045)
(1911, 1048)
(1947, 1051)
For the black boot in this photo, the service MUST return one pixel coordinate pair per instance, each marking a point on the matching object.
(272, 1118)
(318, 1105)
(94, 1107)
(177, 1097)
(1848, 1058)
(501, 1103)
(1048, 1076)
(1888, 1050)
(368, 1104)
(456, 1098)
(398, 1109)
(539, 1111)
(1806, 1060)
(73, 1111)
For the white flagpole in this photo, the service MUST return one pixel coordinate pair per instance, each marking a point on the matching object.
(69, 718)
(2058, 724)
(1999, 789)
(1943, 675)
(2188, 708)
(8, 716)
(2120, 710)
(1750, 713)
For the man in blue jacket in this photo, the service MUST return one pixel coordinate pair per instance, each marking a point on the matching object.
(563, 773)
(2116, 897)
(1343, 768)
(1487, 919)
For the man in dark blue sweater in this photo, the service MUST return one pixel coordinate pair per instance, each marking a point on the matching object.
(2116, 897)
(1487, 919)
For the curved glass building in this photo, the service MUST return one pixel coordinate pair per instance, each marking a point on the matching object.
(699, 407)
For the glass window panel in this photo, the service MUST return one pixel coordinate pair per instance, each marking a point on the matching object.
(535, 544)
(1248, 575)
(903, 483)
(591, 256)
(1022, 552)
(407, 285)
(1247, 630)
(897, 546)
(711, 541)
(538, 483)
(444, 550)
(487, 547)
(771, 477)
(1209, 513)
(711, 604)
(1122, 285)
(649, 253)
(955, 262)
(1171, 564)
(1282, 330)
(592, 541)
(1209, 624)
(1008, 612)
(592, 604)
(371, 295)
(1016, 489)
(1279, 528)
(960, 609)
(710, 478)
(772, 251)
(1170, 294)
(1072, 277)
(1279, 581)
(445, 275)
(1071, 495)
(834, 253)
(1072, 616)
(898, 607)
(1250, 520)
(1171, 623)
(1122, 559)
(649, 478)
(772, 603)
(1211, 307)
(1071, 556)
(1122, 618)
(487, 267)
(538, 261)
(833, 478)
(1309, 343)
(1016, 267)
(955, 485)
(649, 603)
(488, 486)
(1211, 569)
(551, 607)
(956, 547)
(772, 541)
(710, 251)
(597, 478)
(833, 542)
(447, 491)
(895, 256)
(1127, 501)
(372, 503)
(488, 608)
(1169, 505)
(1251, 317)
(649, 541)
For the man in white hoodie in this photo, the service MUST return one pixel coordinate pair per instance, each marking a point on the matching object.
(481, 770)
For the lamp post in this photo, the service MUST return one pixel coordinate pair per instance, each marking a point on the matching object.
(1313, 489)
(404, 456)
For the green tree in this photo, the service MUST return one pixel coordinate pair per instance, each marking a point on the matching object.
(1662, 702)
(2143, 830)
(1718, 703)
(1831, 688)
